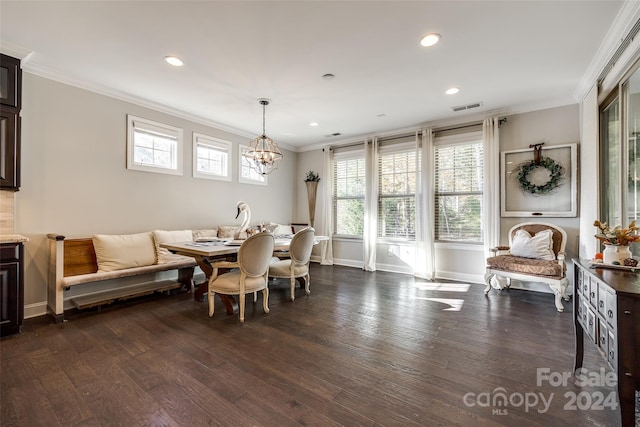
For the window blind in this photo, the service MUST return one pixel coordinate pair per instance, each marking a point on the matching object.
(458, 192)
(398, 169)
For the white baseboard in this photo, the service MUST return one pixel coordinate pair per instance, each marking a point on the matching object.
(460, 277)
(35, 310)
(347, 262)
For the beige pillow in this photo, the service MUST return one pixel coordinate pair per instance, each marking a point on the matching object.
(203, 234)
(120, 251)
(162, 236)
(227, 231)
(278, 229)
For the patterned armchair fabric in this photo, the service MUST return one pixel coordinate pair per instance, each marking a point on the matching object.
(551, 272)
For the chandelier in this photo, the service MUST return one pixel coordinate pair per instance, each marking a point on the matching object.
(263, 153)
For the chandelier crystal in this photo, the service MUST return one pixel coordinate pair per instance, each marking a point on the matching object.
(263, 153)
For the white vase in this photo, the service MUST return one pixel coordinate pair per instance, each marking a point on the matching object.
(615, 254)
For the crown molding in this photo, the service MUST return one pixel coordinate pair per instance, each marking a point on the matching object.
(627, 16)
(50, 74)
(17, 51)
(444, 123)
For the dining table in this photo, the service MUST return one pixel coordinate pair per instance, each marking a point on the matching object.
(208, 251)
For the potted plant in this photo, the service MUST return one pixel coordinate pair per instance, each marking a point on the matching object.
(312, 179)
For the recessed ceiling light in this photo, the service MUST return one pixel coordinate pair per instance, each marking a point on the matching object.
(314, 124)
(173, 60)
(328, 76)
(430, 39)
(452, 91)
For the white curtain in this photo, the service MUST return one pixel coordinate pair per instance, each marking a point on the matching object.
(424, 266)
(370, 232)
(491, 191)
(327, 191)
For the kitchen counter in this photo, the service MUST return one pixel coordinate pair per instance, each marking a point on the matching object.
(13, 238)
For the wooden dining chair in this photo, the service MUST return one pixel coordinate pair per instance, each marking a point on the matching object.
(249, 274)
(297, 266)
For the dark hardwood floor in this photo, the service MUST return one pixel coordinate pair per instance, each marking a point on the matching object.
(364, 349)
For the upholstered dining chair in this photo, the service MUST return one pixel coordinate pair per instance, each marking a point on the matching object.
(298, 263)
(535, 254)
(249, 274)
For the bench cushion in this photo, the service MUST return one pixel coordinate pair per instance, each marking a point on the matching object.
(134, 271)
(537, 267)
(120, 251)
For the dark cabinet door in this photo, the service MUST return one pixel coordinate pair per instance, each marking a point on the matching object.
(10, 81)
(9, 149)
(11, 289)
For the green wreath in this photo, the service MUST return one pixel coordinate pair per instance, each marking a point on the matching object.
(524, 169)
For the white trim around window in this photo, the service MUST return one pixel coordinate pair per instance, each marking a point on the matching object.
(247, 174)
(211, 157)
(153, 146)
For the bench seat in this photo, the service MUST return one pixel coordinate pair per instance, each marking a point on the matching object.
(69, 281)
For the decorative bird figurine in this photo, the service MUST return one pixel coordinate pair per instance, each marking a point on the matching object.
(242, 231)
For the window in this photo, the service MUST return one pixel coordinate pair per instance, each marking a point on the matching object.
(398, 168)
(153, 146)
(620, 153)
(348, 200)
(211, 158)
(458, 191)
(246, 173)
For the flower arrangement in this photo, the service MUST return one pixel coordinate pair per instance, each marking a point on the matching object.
(617, 236)
(312, 177)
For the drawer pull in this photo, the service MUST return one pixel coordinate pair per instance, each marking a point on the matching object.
(627, 312)
(601, 304)
(629, 374)
(593, 294)
(610, 313)
(611, 355)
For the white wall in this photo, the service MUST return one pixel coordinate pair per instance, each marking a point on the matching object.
(589, 174)
(75, 181)
(552, 126)
(464, 262)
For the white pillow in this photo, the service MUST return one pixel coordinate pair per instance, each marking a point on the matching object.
(540, 246)
(120, 251)
(162, 236)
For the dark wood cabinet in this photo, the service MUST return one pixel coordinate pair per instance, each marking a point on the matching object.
(10, 82)
(607, 310)
(10, 145)
(10, 105)
(11, 288)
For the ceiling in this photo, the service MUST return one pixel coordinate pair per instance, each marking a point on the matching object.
(510, 56)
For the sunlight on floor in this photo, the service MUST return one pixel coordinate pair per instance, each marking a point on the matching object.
(453, 304)
(445, 287)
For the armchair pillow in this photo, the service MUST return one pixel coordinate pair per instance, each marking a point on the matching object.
(538, 246)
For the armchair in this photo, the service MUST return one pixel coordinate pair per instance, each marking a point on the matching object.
(535, 254)
(250, 273)
(297, 266)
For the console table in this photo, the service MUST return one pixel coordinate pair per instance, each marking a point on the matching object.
(606, 307)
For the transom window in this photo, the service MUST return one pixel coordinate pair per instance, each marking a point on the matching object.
(247, 174)
(153, 146)
(211, 157)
